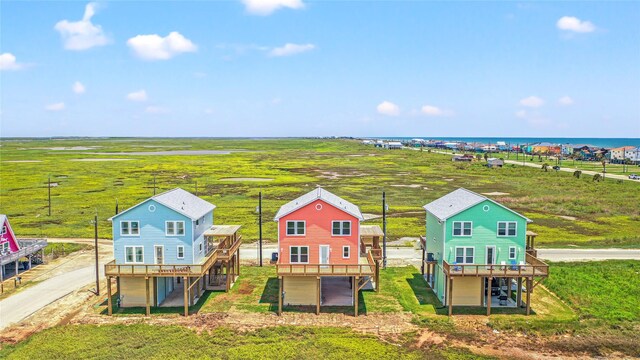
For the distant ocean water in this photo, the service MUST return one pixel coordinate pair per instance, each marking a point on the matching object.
(599, 142)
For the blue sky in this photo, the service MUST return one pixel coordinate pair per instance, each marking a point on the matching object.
(322, 68)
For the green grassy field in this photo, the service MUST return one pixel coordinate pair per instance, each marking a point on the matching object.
(565, 210)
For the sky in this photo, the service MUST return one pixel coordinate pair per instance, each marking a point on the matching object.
(319, 68)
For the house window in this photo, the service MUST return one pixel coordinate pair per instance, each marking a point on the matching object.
(4, 230)
(462, 228)
(198, 222)
(200, 247)
(295, 227)
(134, 254)
(299, 254)
(180, 252)
(342, 228)
(129, 228)
(512, 252)
(346, 252)
(464, 255)
(174, 228)
(507, 228)
(5, 246)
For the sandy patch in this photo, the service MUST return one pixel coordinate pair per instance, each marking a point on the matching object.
(98, 160)
(413, 186)
(53, 184)
(495, 193)
(23, 161)
(335, 175)
(246, 179)
(448, 179)
(355, 155)
(571, 218)
(426, 188)
(66, 148)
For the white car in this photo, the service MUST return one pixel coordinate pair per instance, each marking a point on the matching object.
(634, 177)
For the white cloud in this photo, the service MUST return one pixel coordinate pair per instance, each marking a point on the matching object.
(156, 47)
(78, 88)
(140, 95)
(532, 101)
(156, 110)
(266, 7)
(55, 107)
(570, 23)
(431, 110)
(565, 100)
(521, 114)
(8, 62)
(291, 49)
(388, 108)
(82, 34)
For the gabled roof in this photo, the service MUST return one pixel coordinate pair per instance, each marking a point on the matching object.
(181, 201)
(319, 194)
(622, 148)
(457, 201)
(3, 219)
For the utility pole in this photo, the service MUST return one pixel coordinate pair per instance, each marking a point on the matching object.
(116, 206)
(384, 230)
(49, 189)
(260, 225)
(95, 227)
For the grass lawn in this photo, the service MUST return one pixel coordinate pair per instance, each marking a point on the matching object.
(565, 210)
(173, 342)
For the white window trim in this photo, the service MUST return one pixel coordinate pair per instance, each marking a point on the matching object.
(348, 251)
(299, 254)
(453, 226)
(134, 254)
(341, 228)
(4, 230)
(286, 227)
(129, 221)
(200, 247)
(155, 255)
(506, 229)
(175, 228)
(515, 253)
(178, 252)
(464, 254)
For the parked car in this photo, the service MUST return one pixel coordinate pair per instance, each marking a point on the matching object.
(634, 177)
(556, 168)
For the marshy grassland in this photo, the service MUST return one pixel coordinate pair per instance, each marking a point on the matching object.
(90, 175)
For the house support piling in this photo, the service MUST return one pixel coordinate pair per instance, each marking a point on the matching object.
(109, 304)
(450, 296)
(529, 286)
(318, 297)
(356, 279)
(148, 296)
(186, 295)
(280, 286)
(489, 296)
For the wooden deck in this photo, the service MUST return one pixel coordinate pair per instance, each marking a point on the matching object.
(27, 247)
(368, 269)
(533, 267)
(192, 270)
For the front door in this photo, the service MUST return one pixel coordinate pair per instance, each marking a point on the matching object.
(159, 249)
(491, 255)
(324, 254)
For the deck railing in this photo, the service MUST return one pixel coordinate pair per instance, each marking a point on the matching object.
(27, 247)
(328, 269)
(223, 253)
(376, 253)
(532, 267)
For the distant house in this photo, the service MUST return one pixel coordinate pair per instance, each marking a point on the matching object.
(394, 145)
(489, 148)
(367, 142)
(495, 162)
(13, 250)
(619, 154)
(546, 148)
(476, 250)
(168, 252)
(324, 255)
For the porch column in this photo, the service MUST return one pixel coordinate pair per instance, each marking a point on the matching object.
(377, 276)
(318, 297)
(529, 281)
(355, 295)
(489, 297)
(238, 260)
(280, 280)
(1, 279)
(429, 275)
(29, 257)
(16, 276)
(519, 292)
(185, 286)
(422, 263)
(228, 275)
(482, 289)
(148, 296)
(109, 305)
(450, 295)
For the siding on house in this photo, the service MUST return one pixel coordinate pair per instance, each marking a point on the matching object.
(153, 232)
(318, 232)
(301, 290)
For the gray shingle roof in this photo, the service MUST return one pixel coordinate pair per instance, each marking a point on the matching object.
(185, 203)
(181, 201)
(323, 195)
(458, 201)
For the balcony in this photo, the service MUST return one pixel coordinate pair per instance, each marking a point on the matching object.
(531, 268)
(368, 269)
